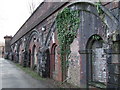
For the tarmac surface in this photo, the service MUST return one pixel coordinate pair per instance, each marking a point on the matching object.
(13, 77)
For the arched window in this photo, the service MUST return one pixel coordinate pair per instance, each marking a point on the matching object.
(97, 62)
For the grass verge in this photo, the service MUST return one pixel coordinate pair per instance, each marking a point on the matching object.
(30, 72)
(36, 76)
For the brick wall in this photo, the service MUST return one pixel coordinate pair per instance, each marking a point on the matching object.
(74, 64)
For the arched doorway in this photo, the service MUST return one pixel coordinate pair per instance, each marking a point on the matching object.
(46, 70)
(96, 63)
(32, 45)
(54, 61)
(34, 58)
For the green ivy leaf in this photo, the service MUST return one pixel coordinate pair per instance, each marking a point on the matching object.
(67, 23)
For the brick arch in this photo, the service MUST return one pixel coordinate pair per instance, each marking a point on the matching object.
(29, 58)
(84, 38)
(31, 43)
(32, 47)
(92, 69)
(52, 62)
(34, 59)
(19, 50)
(105, 10)
(49, 35)
(91, 40)
(18, 44)
(108, 14)
(46, 73)
(31, 35)
(20, 54)
(53, 46)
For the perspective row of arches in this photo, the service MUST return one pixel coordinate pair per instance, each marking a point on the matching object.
(88, 62)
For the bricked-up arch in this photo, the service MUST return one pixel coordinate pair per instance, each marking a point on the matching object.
(19, 50)
(32, 42)
(86, 30)
(46, 71)
(29, 58)
(34, 57)
(96, 62)
(90, 8)
(88, 12)
(109, 15)
(30, 36)
(52, 61)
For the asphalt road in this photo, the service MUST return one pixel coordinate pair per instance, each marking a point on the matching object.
(13, 77)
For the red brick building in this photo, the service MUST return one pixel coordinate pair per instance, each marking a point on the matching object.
(7, 47)
(94, 52)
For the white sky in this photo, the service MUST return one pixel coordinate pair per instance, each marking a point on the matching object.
(13, 14)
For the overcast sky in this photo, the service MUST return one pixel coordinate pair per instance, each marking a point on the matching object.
(13, 13)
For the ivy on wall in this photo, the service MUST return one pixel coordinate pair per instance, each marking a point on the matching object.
(67, 23)
(99, 10)
(95, 37)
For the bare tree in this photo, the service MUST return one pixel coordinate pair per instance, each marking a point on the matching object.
(33, 5)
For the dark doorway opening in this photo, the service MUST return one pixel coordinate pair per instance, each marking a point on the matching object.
(34, 58)
(47, 64)
(29, 58)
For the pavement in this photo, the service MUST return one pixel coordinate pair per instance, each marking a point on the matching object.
(13, 77)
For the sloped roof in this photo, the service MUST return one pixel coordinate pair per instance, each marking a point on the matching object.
(44, 10)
